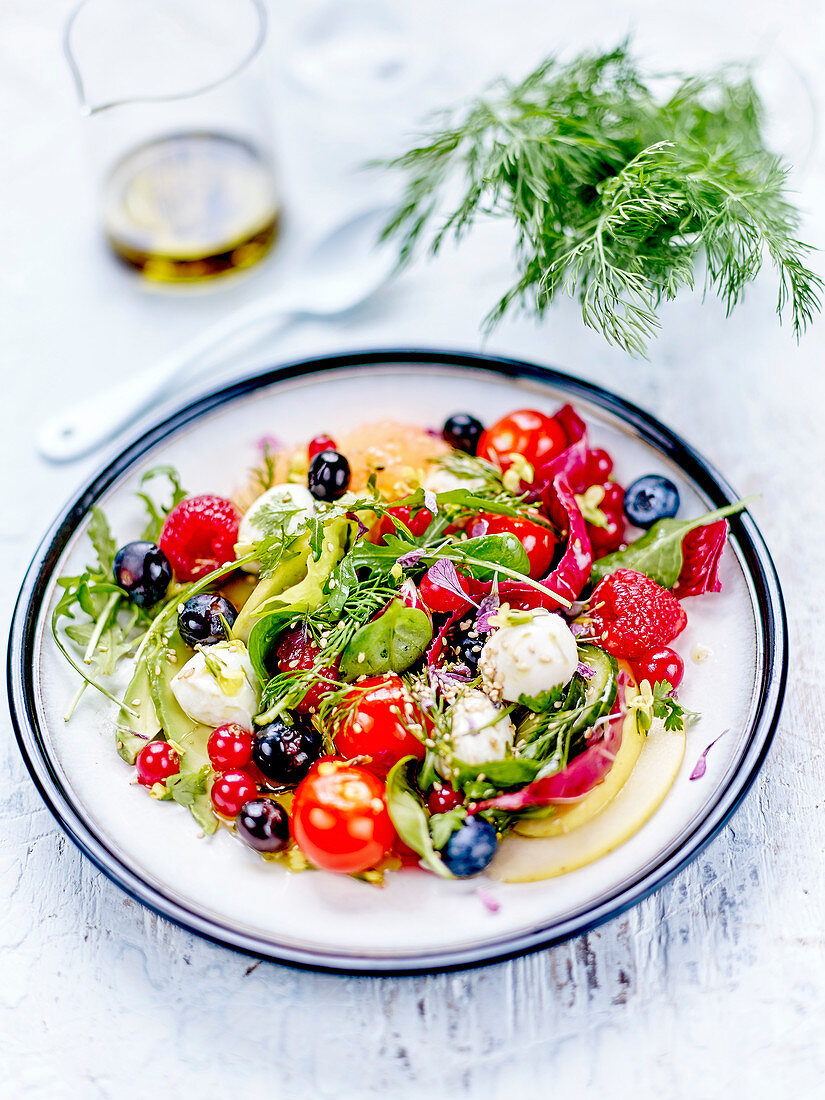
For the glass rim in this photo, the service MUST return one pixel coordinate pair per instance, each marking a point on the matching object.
(87, 109)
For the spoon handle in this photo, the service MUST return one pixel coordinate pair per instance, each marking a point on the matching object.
(92, 422)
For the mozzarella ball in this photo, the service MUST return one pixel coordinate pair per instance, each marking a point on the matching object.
(477, 733)
(442, 481)
(218, 686)
(528, 658)
(250, 530)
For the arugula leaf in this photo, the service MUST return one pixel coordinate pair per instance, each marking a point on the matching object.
(545, 700)
(101, 538)
(410, 818)
(157, 513)
(658, 553)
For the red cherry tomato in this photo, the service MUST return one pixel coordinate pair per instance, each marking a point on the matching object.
(659, 664)
(320, 443)
(438, 598)
(231, 791)
(156, 762)
(339, 818)
(376, 725)
(536, 437)
(229, 746)
(297, 652)
(417, 523)
(538, 540)
(442, 799)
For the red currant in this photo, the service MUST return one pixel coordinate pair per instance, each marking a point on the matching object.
(599, 466)
(320, 443)
(605, 540)
(231, 791)
(156, 762)
(613, 499)
(442, 799)
(660, 664)
(229, 746)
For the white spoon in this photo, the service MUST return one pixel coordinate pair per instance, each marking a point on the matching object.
(341, 272)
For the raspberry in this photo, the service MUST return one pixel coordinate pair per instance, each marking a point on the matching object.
(632, 613)
(199, 535)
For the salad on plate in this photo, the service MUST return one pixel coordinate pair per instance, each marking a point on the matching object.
(402, 647)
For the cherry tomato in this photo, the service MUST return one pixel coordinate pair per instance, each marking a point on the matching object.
(231, 791)
(659, 664)
(296, 652)
(417, 523)
(339, 818)
(375, 725)
(320, 443)
(156, 762)
(442, 799)
(438, 598)
(538, 540)
(536, 437)
(229, 747)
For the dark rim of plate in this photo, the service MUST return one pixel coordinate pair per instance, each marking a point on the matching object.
(768, 695)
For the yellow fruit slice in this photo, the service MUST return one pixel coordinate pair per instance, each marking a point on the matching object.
(576, 814)
(529, 859)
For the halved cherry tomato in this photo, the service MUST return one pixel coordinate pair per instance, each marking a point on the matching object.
(538, 540)
(536, 437)
(376, 723)
(340, 819)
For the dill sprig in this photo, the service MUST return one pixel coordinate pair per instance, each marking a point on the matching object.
(616, 193)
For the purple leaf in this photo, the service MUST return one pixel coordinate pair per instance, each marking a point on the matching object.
(480, 527)
(430, 501)
(486, 609)
(362, 527)
(411, 558)
(701, 763)
(449, 677)
(443, 574)
(585, 670)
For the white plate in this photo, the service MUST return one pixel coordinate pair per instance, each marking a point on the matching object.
(417, 921)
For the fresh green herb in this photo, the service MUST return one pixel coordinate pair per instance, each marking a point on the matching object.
(658, 702)
(157, 513)
(618, 186)
(658, 553)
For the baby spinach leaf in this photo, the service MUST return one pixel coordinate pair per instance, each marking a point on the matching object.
(410, 818)
(505, 550)
(658, 553)
(390, 643)
(442, 826)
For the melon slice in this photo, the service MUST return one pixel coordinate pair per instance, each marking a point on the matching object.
(529, 859)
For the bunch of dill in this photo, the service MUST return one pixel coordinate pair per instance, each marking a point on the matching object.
(616, 193)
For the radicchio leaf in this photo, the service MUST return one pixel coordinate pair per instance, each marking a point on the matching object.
(701, 550)
(362, 527)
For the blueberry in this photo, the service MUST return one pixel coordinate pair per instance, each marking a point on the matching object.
(463, 432)
(285, 753)
(651, 498)
(143, 572)
(329, 475)
(199, 621)
(470, 848)
(263, 825)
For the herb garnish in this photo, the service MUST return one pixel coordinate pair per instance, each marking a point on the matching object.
(617, 193)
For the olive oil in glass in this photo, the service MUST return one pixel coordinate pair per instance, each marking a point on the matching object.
(191, 206)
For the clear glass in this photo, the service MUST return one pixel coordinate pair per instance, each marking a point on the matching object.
(179, 131)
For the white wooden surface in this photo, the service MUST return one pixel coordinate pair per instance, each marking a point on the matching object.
(713, 987)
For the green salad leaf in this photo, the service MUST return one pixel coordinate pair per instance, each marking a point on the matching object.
(658, 553)
(390, 643)
(409, 817)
